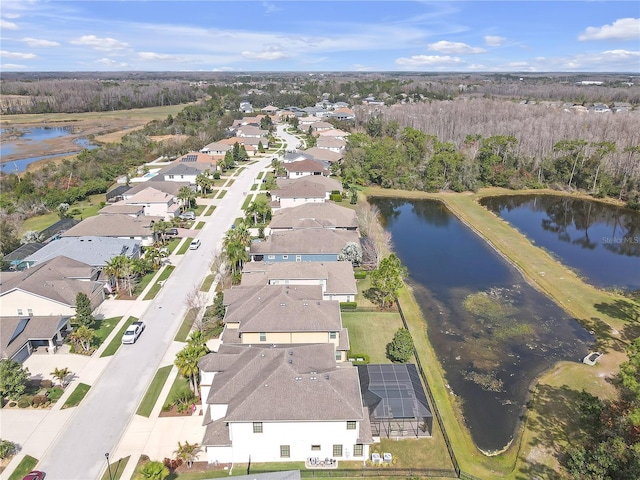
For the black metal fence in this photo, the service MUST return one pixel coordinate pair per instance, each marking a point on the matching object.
(373, 472)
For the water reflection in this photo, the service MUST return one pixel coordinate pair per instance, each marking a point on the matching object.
(599, 240)
(492, 332)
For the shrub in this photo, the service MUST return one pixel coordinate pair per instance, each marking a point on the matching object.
(7, 449)
(348, 305)
(216, 176)
(335, 197)
(39, 400)
(360, 275)
(25, 401)
(46, 384)
(54, 394)
(400, 349)
(172, 463)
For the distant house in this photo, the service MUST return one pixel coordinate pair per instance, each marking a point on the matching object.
(199, 159)
(251, 132)
(217, 148)
(270, 109)
(600, 108)
(296, 156)
(321, 126)
(342, 114)
(281, 404)
(154, 202)
(185, 172)
(246, 107)
(16, 258)
(49, 288)
(94, 251)
(172, 188)
(303, 168)
(308, 189)
(116, 225)
(122, 208)
(336, 278)
(324, 155)
(314, 216)
(336, 133)
(396, 401)
(116, 194)
(283, 314)
(331, 143)
(21, 335)
(298, 246)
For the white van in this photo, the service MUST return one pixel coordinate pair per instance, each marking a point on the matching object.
(195, 244)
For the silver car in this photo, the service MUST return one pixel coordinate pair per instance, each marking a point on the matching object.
(133, 332)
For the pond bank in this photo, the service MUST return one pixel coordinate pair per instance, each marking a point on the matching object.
(557, 282)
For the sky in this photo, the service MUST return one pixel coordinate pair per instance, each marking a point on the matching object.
(356, 35)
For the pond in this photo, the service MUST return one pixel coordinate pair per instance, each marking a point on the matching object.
(30, 136)
(599, 241)
(491, 330)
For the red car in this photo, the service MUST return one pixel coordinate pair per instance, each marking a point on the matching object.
(34, 475)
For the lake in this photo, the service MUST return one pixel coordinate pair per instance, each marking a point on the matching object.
(491, 330)
(599, 241)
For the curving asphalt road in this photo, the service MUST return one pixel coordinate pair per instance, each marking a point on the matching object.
(78, 452)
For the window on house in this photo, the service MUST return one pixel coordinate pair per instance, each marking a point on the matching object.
(271, 257)
(181, 176)
(170, 177)
(338, 356)
(358, 450)
(29, 312)
(285, 257)
(337, 450)
(257, 427)
(285, 451)
(20, 312)
(315, 448)
(263, 336)
(333, 335)
(351, 425)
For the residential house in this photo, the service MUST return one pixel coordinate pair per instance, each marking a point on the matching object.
(251, 132)
(118, 226)
(49, 288)
(122, 208)
(343, 114)
(246, 107)
(270, 110)
(334, 144)
(281, 404)
(308, 189)
(217, 148)
(283, 314)
(296, 156)
(321, 126)
(172, 188)
(186, 172)
(600, 108)
(327, 157)
(16, 258)
(336, 278)
(20, 336)
(324, 245)
(204, 160)
(115, 195)
(336, 133)
(314, 216)
(396, 401)
(94, 251)
(303, 168)
(155, 202)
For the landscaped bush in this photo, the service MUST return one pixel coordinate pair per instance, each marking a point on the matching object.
(7, 449)
(25, 401)
(348, 305)
(54, 393)
(172, 464)
(335, 197)
(39, 400)
(360, 275)
(46, 384)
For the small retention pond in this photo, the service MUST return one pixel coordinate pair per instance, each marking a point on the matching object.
(14, 145)
(491, 330)
(599, 241)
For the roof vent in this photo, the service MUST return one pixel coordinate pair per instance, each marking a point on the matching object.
(290, 352)
(313, 378)
(290, 361)
(283, 304)
(326, 376)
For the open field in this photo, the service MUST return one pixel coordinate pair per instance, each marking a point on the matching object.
(610, 316)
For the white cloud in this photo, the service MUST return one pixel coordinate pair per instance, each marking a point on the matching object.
(22, 56)
(35, 42)
(152, 56)
(621, 29)
(606, 61)
(4, 25)
(97, 43)
(358, 67)
(11, 15)
(456, 48)
(270, 7)
(13, 66)
(109, 62)
(494, 40)
(428, 60)
(223, 69)
(266, 55)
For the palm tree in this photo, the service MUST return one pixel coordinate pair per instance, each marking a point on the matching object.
(187, 363)
(161, 227)
(60, 374)
(114, 268)
(204, 182)
(186, 195)
(187, 452)
(154, 471)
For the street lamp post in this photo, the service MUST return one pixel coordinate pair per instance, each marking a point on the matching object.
(106, 455)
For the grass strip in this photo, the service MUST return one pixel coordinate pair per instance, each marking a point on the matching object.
(77, 395)
(116, 341)
(153, 392)
(184, 247)
(247, 202)
(229, 182)
(209, 212)
(103, 328)
(254, 187)
(187, 323)
(172, 244)
(153, 291)
(260, 174)
(199, 225)
(222, 193)
(117, 468)
(142, 284)
(27, 464)
(208, 281)
(199, 209)
(179, 384)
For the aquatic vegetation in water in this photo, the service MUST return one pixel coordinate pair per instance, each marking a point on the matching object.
(492, 305)
(488, 381)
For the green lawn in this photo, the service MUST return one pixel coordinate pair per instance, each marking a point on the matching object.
(254, 187)
(209, 212)
(103, 328)
(153, 392)
(260, 174)
(38, 223)
(369, 332)
(222, 193)
(77, 395)
(117, 340)
(27, 464)
(117, 468)
(179, 384)
(206, 284)
(238, 221)
(229, 183)
(199, 209)
(153, 291)
(200, 225)
(142, 284)
(185, 246)
(187, 323)
(247, 202)
(172, 244)
(87, 208)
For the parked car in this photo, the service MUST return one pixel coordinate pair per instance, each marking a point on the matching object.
(195, 244)
(133, 332)
(190, 215)
(34, 475)
(172, 231)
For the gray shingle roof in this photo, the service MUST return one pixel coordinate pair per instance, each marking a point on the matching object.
(306, 165)
(314, 215)
(117, 225)
(171, 188)
(12, 338)
(328, 184)
(272, 384)
(324, 155)
(95, 251)
(299, 242)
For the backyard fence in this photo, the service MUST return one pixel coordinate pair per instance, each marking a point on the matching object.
(373, 472)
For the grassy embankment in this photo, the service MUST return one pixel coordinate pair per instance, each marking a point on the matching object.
(609, 315)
